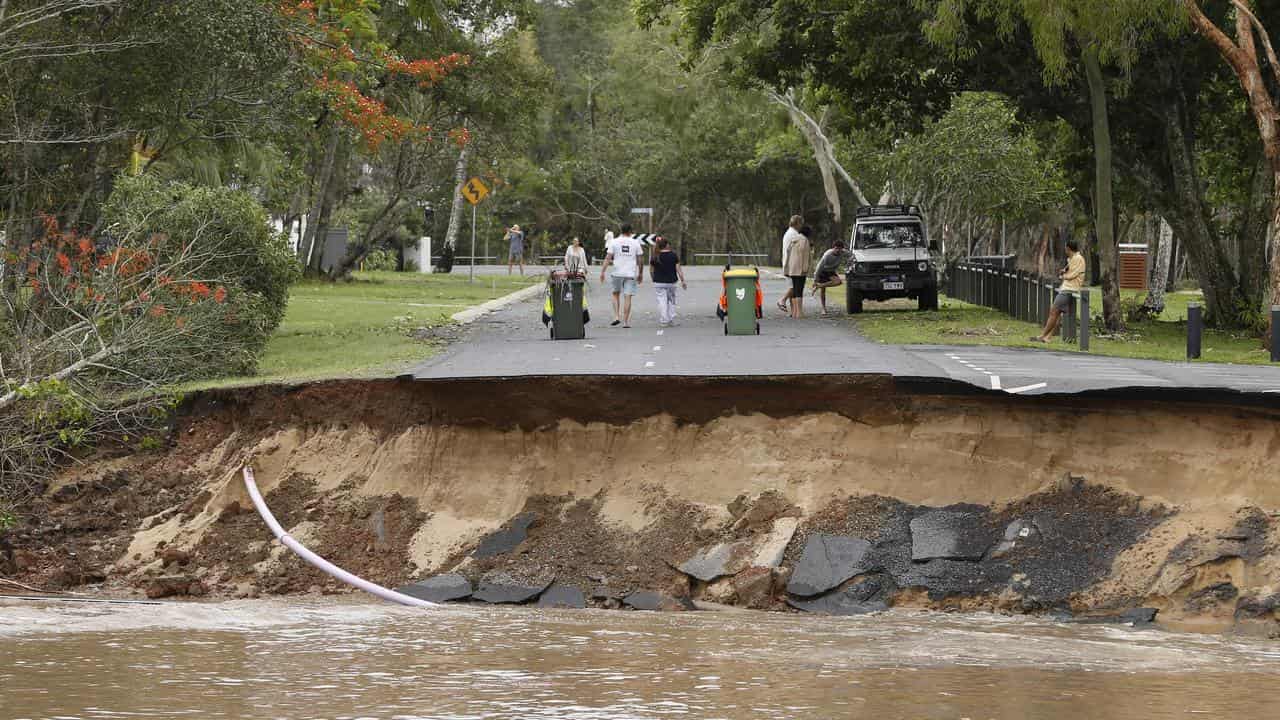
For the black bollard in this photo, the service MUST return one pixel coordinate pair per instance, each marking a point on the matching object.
(1084, 320)
(1195, 326)
(1069, 323)
(1275, 333)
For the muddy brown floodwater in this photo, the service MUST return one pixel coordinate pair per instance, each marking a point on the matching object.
(348, 659)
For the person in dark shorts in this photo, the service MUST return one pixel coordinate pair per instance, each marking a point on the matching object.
(1072, 285)
(826, 274)
(795, 265)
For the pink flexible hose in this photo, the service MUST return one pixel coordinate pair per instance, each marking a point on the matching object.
(287, 540)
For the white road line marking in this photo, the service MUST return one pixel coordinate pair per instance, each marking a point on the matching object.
(656, 348)
(978, 368)
(589, 346)
(1026, 388)
(987, 372)
(649, 364)
(659, 332)
(995, 382)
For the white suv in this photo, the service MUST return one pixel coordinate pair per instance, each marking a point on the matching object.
(889, 258)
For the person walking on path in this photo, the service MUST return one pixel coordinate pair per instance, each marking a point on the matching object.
(795, 265)
(666, 271)
(1072, 285)
(826, 273)
(793, 229)
(515, 252)
(623, 256)
(575, 257)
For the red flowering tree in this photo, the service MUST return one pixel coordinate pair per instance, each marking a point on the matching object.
(375, 105)
(183, 283)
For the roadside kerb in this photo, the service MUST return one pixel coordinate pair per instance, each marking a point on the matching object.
(471, 314)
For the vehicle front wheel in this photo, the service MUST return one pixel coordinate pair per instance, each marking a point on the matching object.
(929, 299)
(853, 300)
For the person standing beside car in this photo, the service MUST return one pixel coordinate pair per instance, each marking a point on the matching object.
(827, 272)
(795, 265)
(793, 229)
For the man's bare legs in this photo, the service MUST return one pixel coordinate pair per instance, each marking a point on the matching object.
(626, 311)
(1050, 325)
(617, 300)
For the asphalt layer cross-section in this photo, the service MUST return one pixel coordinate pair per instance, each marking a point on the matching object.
(513, 342)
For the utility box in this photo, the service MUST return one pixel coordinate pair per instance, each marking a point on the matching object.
(1135, 266)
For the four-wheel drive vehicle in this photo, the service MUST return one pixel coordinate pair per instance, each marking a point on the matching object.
(889, 258)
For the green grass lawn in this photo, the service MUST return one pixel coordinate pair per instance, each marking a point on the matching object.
(959, 323)
(365, 327)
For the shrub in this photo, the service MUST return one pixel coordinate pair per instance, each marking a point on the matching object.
(242, 254)
(380, 260)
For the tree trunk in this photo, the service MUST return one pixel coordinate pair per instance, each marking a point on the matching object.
(455, 211)
(1243, 57)
(306, 245)
(1105, 217)
(1160, 273)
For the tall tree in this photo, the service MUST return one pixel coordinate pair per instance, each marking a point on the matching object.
(1250, 55)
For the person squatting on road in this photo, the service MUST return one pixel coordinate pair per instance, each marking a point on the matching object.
(575, 257)
(793, 231)
(1072, 284)
(795, 265)
(624, 255)
(665, 272)
(515, 252)
(825, 275)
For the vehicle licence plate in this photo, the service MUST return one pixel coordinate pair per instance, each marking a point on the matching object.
(893, 285)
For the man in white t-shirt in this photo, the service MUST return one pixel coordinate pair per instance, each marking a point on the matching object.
(623, 262)
(792, 234)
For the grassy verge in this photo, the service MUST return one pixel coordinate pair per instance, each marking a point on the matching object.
(365, 328)
(959, 323)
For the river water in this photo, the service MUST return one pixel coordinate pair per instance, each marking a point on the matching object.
(351, 659)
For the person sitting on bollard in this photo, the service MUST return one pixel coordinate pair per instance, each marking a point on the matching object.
(825, 275)
(1072, 284)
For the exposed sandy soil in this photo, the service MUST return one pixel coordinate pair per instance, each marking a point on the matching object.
(396, 480)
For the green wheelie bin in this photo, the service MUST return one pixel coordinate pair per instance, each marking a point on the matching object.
(742, 304)
(565, 306)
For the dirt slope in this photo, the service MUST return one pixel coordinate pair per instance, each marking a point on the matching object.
(395, 480)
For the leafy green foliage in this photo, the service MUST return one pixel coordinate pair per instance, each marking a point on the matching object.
(245, 256)
(979, 156)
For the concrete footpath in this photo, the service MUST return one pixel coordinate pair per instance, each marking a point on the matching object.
(513, 342)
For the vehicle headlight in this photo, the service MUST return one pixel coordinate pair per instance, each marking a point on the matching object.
(923, 266)
(859, 267)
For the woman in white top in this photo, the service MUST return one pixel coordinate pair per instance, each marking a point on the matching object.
(575, 257)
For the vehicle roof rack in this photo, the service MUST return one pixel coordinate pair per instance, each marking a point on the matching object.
(873, 210)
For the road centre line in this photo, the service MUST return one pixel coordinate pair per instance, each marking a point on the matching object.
(1026, 388)
(995, 382)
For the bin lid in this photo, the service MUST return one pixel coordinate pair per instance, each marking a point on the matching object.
(742, 273)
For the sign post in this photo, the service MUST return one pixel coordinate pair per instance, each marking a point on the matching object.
(645, 211)
(474, 191)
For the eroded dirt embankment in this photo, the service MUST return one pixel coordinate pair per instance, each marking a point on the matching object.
(834, 494)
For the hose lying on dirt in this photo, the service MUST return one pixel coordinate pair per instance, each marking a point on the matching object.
(297, 547)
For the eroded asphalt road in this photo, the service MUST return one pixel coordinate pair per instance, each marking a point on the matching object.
(514, 342)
